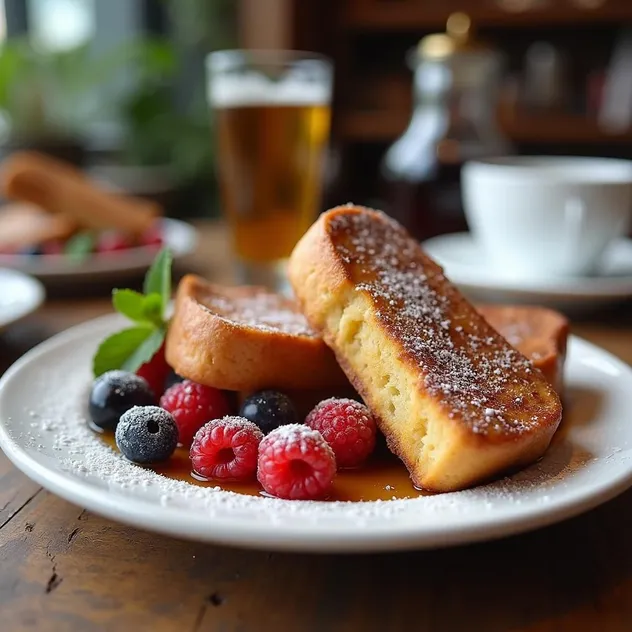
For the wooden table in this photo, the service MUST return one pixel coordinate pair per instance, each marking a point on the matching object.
(62, 568)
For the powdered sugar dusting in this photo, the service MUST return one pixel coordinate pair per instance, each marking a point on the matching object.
(294, 432)
(43, 407)
(60, 421)
(463, 362)
(261, 310)
(301, 439)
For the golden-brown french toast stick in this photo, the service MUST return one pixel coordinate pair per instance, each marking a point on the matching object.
(454, 399)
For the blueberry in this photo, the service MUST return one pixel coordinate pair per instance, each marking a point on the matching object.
(269, 410)
(114, 393)
(31, 251)
(147, 434)
(172, 378)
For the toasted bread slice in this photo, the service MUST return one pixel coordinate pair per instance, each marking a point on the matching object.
(454, 399)
(245, 339)
(539, 333)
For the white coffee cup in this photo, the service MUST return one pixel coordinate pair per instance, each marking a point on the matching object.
(537, 217)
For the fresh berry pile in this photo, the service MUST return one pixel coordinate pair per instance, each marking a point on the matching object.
(264, 442)
(152, 410)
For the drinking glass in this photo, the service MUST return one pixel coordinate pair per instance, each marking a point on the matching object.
(272, 114)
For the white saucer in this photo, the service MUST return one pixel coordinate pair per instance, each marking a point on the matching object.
(43, 401)
(56, 269)
(464, 263)
(19, 296)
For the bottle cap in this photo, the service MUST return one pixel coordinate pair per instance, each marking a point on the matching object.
(458, 38)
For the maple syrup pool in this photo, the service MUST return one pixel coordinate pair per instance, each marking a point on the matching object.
(383, 477)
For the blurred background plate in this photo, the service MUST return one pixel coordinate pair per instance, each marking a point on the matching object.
(180, 236)
(464, 264)
(19, 296)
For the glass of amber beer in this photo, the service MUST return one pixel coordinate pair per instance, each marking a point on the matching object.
(272, 112)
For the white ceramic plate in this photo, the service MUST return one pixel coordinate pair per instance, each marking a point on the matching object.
(465, 264)
(19, 296)
(43, 431)
(54, 269)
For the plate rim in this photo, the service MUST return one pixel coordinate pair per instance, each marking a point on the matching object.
(279, 536)
(118, 265)
(603, 287)
(38, 296)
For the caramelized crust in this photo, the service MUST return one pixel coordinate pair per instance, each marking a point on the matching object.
(455, 401)
(245, 339)
(539, 333)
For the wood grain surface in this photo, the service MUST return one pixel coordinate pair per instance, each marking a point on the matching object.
(63, 569)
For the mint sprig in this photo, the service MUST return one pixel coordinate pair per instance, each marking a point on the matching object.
(130, 348)
(79, 247)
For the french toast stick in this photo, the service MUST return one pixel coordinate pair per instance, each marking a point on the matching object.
(455, 401)
(60, 188)
(540, 334)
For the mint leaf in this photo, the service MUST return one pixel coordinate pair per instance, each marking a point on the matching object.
(152, 310)
(130, 304)
(116, 350)
(145, 351)
(79, 247)
(158, 277)
(129, 349)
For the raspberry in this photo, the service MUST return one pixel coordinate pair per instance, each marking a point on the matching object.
(226, 449)
(53, 247)
(192, 405)
(152, 236)
(156, 371)
(110, 243)
(348, 428)
(296, 463)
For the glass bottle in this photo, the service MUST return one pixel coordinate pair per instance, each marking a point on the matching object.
(456, 86)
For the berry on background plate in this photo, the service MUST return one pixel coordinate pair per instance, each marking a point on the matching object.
(192, 405)
(153, 236)
(226, 449)
(347, 426)
(296, 463)
(113, 394)
(269, 410)
(147, 434)
(113, 242)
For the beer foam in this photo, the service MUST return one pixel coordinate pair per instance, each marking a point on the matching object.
(247, 90)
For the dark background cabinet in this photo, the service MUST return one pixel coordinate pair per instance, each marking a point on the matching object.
(368, 40)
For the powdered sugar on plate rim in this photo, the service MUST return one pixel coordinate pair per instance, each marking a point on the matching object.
(43, 430)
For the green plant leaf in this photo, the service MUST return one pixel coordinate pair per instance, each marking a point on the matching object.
(158, 277)
(123, 349)
(80, 247)
(145, 351)
(153, 310)
(130, 304)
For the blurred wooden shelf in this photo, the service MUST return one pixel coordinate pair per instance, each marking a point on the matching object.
(555, 129)
(562, 129)
(408, 14)
(372, 126)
